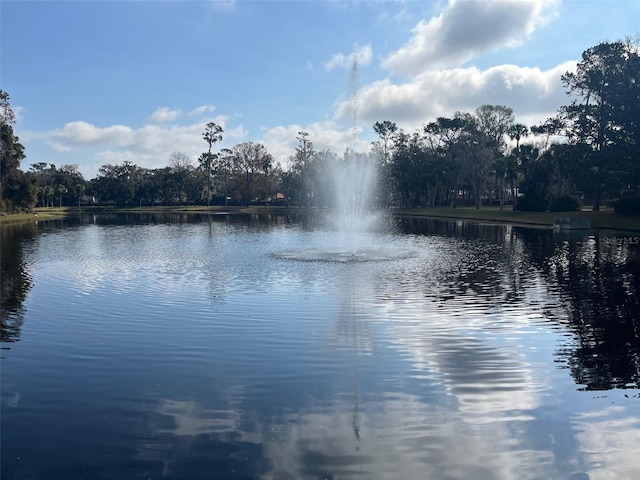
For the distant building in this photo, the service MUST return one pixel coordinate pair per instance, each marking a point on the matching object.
(88, 200)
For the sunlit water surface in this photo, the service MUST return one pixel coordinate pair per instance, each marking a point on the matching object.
(202, 348)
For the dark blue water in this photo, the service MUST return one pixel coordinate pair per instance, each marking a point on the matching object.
(143, 347)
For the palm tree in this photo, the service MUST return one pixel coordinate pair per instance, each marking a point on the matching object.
(212, 134)
(80, 189)
(61, 191)
(516, 132)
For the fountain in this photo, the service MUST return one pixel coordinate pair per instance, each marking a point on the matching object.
(354, 213)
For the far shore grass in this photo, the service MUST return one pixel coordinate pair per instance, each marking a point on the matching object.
(604, 219)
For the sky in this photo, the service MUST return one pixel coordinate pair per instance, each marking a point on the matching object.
(103, 82)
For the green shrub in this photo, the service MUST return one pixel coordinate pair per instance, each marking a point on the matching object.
(566, 203)
(628, 206)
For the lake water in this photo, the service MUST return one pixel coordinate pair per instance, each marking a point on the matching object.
(184, 347)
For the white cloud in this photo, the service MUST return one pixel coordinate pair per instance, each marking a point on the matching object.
(201, 110)
(533, 94)
(18, 113)
(84, 133)
(281, 140)
(234, 135)
(467, 28)
(60, 148)
(148, 146)
(165, 114)
(223, 4)
(362, 54)
(116, 157)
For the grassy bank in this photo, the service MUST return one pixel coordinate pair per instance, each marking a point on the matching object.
(37, 215)
(52, 213)
(605, 219)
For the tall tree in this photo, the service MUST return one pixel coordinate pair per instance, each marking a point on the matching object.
(180, 169)
(11, 150)
(386, 131)
(17, 190)
(250, 160)
(494, 121)
(517, 132)
(119, 184)
(492, 124)
(212, 134)
(604, 114)
(225, 164)
(412, 169)
(300, 182)
(446, 138)
(550, 127)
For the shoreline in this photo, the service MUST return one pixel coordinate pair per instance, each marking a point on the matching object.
(605, 219)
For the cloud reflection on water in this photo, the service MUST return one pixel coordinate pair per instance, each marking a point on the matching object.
(402, 437)
(475, 417)
(438, 366)
(610, 442)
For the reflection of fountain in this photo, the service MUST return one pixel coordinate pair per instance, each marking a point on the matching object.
(348, 325)
(356, 409)
(342, 255)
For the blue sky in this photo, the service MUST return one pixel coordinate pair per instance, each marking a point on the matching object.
(97, 82)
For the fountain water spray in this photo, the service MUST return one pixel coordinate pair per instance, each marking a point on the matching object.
(355, 214)
(355, 182)
(354, 97)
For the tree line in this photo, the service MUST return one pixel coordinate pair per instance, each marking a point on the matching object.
(241, 175)
(589, 151)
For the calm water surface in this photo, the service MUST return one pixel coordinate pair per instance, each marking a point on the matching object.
(143, 347)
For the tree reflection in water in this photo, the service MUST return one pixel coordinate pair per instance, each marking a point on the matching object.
(420, 370)
(15, 279)
(596, 282)
(600, 283)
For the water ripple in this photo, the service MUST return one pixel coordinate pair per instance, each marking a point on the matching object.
(176, 349)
